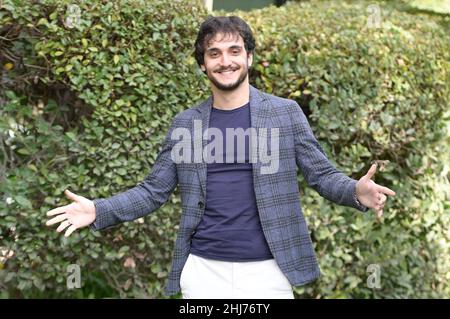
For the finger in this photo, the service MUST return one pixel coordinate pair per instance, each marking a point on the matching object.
(56, 211)
(372, 170)
(70, 230)
(386, 191)
(63, 226)
(382, 199)
(71, 195)
(380, 213)
(57, 219)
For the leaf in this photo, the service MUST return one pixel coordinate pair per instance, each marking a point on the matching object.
(71, 135)
(24, 151)
(23, 202)
(53, 15)
(42, 21)
(8, 66)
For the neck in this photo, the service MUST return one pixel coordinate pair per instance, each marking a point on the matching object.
(229, 100)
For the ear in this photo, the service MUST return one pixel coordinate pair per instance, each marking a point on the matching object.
(250, 59)
(203, 67)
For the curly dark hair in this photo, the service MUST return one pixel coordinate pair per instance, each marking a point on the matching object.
(231, 25)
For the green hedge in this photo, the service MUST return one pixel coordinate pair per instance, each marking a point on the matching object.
(86, 108)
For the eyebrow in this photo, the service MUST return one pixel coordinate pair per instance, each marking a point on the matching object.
(231, 47)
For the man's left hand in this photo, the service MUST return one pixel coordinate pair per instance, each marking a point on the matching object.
(371, 194)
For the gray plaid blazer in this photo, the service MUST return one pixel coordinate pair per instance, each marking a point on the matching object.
(277, 194)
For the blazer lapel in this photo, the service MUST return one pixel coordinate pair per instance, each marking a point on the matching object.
(200, 143)
(260, 118)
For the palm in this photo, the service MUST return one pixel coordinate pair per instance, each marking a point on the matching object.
(367, 192)
(371, 194)
(78, 214)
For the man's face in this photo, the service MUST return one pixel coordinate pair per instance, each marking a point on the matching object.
(226, 61)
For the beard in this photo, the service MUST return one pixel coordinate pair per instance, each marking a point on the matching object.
(230, 86)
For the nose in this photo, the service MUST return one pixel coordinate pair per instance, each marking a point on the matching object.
(226, 61)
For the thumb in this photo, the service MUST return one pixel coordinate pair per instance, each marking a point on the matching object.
(71, 195)
(371, 171)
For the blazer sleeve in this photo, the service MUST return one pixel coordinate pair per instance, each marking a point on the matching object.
(319, 173)
(144, 198)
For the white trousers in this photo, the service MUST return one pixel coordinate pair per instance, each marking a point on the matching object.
(203, 278)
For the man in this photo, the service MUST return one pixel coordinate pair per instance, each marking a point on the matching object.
(242, 231)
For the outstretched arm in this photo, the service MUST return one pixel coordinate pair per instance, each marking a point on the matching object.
(321, 175)
(136, 202)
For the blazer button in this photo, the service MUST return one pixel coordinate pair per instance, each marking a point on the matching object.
(201, 204)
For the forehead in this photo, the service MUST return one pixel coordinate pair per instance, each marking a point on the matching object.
(225, 40)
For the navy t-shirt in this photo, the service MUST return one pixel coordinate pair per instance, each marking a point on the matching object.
(230, 229)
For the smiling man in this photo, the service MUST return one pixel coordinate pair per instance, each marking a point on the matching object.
(242, 232)
(226, 70)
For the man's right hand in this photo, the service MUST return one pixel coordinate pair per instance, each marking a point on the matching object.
(80, 213)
